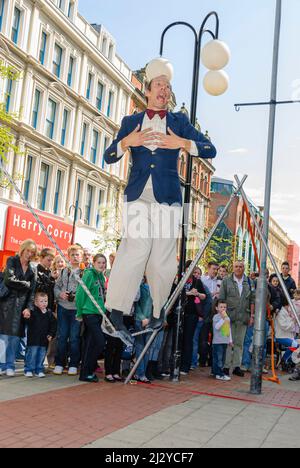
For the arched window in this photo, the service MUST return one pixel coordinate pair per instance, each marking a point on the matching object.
(202, 183)
(182, 166)
(195, 178)
(206, 185)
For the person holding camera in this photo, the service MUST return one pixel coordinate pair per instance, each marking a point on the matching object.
(68, 334)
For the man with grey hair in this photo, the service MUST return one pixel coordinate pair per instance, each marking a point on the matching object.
(238, 292)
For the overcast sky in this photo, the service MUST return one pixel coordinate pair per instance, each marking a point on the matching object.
(241, 138)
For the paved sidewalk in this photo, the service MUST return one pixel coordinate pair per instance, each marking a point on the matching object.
(205, 422)
(197, 412)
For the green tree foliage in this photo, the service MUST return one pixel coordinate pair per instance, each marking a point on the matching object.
(7, 139)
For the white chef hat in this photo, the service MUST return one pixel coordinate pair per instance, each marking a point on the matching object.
(159, 67)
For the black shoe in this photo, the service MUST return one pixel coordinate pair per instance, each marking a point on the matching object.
(155, 324)
(90, 379)
(226, 372)
(109, 379)
(295, 377)
(116, 319)
(238, 372)
(149, 371)
(156, 374)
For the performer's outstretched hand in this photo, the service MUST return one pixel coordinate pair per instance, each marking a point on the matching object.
(138, 138)
(172, 141)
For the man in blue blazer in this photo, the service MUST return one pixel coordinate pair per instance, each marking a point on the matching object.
(153, 199)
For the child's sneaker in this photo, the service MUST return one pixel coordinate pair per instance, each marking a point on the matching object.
(10, 373)
(41, 375)
(58, 370)
(29, 375)
(223, 378)
(73, 371)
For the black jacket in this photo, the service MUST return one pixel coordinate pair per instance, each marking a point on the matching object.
(190, 306)
(275, 297)
(40, 326)
(45, 283)
(290, 284)
(21, 296)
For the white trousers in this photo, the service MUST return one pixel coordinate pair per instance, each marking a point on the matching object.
(149, 247)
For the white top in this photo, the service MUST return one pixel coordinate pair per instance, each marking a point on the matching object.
(239, 283)
(213, 284)
(284, 325)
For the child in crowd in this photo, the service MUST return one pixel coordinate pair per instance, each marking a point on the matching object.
(57, 266)
(142, 314)
(93, 338)
(222, 338)
(40, 332)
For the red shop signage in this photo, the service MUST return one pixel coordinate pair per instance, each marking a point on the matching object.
(21, 225)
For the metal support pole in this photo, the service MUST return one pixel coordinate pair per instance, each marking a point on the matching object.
(261, 296)
(265, 243)
(172, 300)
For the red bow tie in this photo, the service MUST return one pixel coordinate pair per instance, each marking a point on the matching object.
(151, 113)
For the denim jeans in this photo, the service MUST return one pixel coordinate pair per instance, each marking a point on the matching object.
(140, 343)
(196, 340)
(288, 343)
(247, 356)
(34, 359)
(190, 324)
(219, 358)
(8, 350)
(68, 332)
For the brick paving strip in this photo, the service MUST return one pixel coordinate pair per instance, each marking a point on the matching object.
(78, 415)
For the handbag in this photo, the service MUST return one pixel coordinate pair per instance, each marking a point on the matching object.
(4, 291)
(199, 308)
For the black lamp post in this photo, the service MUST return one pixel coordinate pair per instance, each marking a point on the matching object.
(188, 182)
(76, 208)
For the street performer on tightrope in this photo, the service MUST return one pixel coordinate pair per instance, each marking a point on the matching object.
(153, 198)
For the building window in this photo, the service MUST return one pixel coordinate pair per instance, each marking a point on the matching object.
(99, 98)
(43, 48)
(110, 52)
(1, 12)
(64, 127)
(36, 106)
(57, 59)
(61, 4)
(70, 10)
(70, 71)
(106, 145)
(110, 104)
(28, 177)
(77, 201)
(99, 217)
(88, 204)
(16, 25)
(94, 147)
(89, 86)
(57, 191)
(50, 120)
(43, 186)
(83, 137)
(8, 94)
(104, 44)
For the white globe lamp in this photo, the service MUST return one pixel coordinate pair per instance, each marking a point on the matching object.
(216, 83)
(215, 55)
